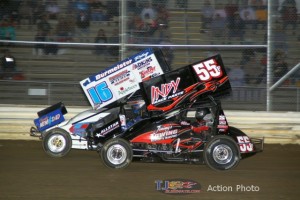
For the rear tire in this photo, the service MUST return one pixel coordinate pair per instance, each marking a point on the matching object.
(57, 143)
(221, 153)
(116, 153)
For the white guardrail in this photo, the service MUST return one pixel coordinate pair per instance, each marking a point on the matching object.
(275, 127)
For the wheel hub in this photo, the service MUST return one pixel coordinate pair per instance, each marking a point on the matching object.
(116, 154)
(56, 143)
(222, 154)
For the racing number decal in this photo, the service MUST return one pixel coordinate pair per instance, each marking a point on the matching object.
(208, 70)
(100, 93)
(245, 144)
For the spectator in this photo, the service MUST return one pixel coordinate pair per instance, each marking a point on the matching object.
(44, 25)
(247, 54)
(70, 26)
(51, 49)
(280, 66)
(262, 76)
(221, 12)
(236, 28)
(207, 13)
(252, 67)
(112, 8)
(288, 3)
(289, 16)
(167, 51)
(135, 23)
(98, 12)
(8, 65)
(231, 9)
(280, 39)
(136, 27)
(39, 11)
(162, 21)
(150, 25)
(101, 39)
(148, 12)
(237, 76)
(81, 6)
(218, 27)
(248, 15)
(25, 12)
(53, 9)
(39, 49)
(7, 29)
(64, 30)
(83, 25)
(114, 39)
(162, 17)
(261, 14)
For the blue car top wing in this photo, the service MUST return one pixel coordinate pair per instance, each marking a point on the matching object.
(122, 78)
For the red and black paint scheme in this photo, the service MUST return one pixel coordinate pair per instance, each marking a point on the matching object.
(170, 132)
(186, 85)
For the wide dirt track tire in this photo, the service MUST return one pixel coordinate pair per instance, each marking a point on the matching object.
(57, 143)
(116, 153)
(221, 153)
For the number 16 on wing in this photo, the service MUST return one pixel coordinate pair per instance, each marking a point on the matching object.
(99, 93)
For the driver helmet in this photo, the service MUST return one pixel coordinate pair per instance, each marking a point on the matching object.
(200, 113)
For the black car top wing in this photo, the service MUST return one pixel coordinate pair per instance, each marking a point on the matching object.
(186, 85)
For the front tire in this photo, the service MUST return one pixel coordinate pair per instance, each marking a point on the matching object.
(221, 153)
(116, 153)
(57, 143)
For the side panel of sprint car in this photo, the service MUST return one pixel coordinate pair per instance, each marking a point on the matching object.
(161, 134)
(78, 124)
(243, 141)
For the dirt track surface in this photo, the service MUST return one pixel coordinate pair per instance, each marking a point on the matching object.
(26, 172)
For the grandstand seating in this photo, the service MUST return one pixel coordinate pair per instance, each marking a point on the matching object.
(76, 63)
(184, 27)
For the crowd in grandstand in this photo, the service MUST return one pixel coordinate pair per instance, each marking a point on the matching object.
(147, 22)
(230, 22)
(145, 18)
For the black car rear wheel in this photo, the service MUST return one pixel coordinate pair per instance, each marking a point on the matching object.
(221, 153)
(116, 153)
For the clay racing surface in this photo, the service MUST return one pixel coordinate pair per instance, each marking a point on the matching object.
(26, 172)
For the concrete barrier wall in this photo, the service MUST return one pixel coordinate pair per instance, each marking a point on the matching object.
(275, 127)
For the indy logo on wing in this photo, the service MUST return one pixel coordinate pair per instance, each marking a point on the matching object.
(166, 91)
